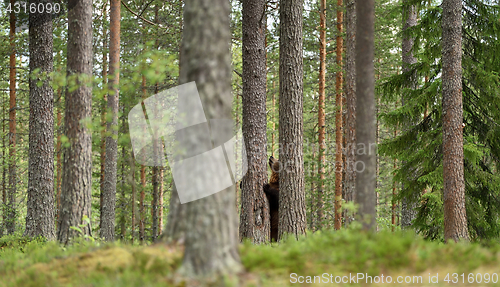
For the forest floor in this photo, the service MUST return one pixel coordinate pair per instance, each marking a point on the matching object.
(320, 258)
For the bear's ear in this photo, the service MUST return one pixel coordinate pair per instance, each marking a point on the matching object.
(271, 161)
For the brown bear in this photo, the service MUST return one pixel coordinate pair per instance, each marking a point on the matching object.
(272, 191)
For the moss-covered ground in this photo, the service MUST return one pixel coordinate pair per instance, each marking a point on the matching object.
(324, 257)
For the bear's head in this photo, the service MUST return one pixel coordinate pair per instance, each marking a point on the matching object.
(274, 164)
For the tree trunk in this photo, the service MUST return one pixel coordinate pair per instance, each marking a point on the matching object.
(211, 245)
(273, 118)
(321, 114)
(365, 116)
(350, 116)
(338, 118)
(156, 169)
(254, 216)
(292, 195)
(11, 205)
(313, 223)
(4, 172)
(58, 156)
(160, 201)
(132, 184)
(154, 204)
(77, 172)
(103, 109)
(40, 204)
(455, 218)
(123, 221)
(408, 211)
(142, 212)
(109, 184)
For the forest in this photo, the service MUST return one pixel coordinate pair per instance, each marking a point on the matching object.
(249, 142)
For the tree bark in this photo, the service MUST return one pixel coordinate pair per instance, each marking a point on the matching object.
(365, 116)
(455, 218)
(58, 156)
(103, 109)
(133, 201)
(338, 118)
(211, 244)
(254, 216)
(321, 114)
(154, 204)
(142, 212)
(40, 204)
(160, 201)
(123, 200)
(11, 209)
(4, 172)
(349, 186)
(77, 171)
(408, 211)
(292, 194)
(109, 184)
(156, 169)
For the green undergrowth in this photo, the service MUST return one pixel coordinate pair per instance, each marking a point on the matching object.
(37, 262)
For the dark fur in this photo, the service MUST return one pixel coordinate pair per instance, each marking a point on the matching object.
(272, 192)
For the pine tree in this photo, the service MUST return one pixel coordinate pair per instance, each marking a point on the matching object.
(455, 219)
(77, 169)
(110, 166)
(40, 217)
(254, 217)
(365, 113)
(292, 193)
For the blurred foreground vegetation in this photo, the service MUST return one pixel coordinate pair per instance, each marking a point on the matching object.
(85, 263)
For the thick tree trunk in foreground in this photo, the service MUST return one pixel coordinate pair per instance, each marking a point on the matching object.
(254, 217)
(292, 194)
(40, 204)
(209, 223)
(77, 170)
(109, 184)
(349, 187)
(365, 114)
(455, 218)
